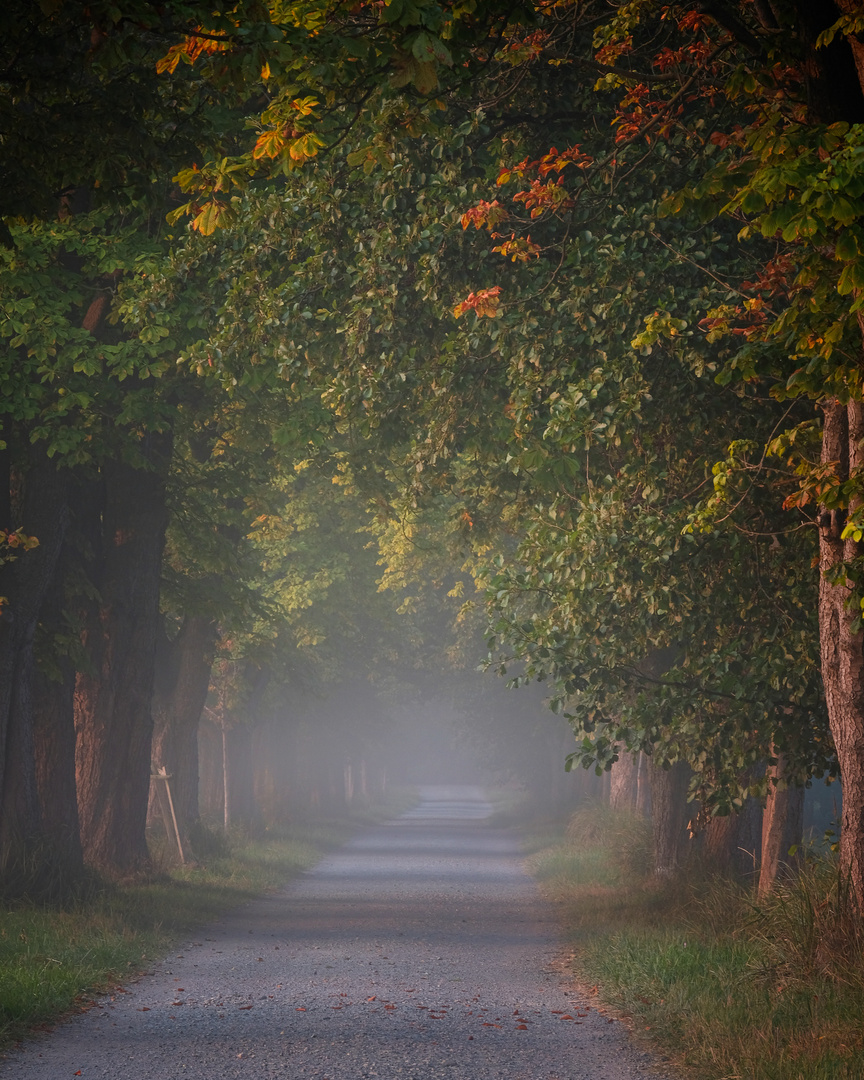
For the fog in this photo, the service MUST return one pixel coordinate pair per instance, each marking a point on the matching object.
(354, 746)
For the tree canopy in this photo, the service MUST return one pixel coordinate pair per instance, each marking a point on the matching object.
(565, 297)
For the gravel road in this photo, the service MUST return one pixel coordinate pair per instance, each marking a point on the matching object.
(419, 950)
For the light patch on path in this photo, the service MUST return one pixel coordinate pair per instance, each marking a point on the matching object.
(420, 950)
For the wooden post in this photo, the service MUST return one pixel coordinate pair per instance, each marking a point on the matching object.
(163, 774)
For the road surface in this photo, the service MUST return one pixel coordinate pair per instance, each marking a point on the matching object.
(420, 950)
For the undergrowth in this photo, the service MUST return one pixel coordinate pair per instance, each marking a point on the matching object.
(725, 987)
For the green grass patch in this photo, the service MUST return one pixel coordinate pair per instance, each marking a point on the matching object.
(53, 961)
(726, 988)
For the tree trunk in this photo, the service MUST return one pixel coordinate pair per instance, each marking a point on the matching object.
(623, 781)
(668, 815)
(180, 690)
(54, 731)
(113, 721)
(226, 780)
(643, 786)
(606, 786)
(782, 829)
(841, 642)
(718, 843)
(242, 810)
(42, 512)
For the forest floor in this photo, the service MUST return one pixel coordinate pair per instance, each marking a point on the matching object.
(727, 988)
(420, 949)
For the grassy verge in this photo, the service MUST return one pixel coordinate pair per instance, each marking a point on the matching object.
(53, 961)
(726, 988)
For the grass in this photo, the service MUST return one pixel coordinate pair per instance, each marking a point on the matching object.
(726, 988)
(53, 960)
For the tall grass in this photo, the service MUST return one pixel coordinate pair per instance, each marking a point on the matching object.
(729, 988)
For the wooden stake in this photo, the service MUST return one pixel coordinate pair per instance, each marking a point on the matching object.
(163, 774)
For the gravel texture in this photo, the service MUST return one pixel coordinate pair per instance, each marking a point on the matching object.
(419, 950)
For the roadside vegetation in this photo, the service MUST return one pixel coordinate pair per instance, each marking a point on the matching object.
(54, 959)
(726, 987)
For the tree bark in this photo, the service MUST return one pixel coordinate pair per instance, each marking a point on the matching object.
(42, 511)
(643, 786)
(718, 842)
(112, 700)
(842, 645)
(668, 815)
(180, 691)
(242, 809)
(623, 781)
(54, 730)
(782, 829)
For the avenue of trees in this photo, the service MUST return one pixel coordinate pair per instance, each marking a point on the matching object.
(329, 325)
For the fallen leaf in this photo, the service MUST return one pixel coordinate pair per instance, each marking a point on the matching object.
(372, 998)
(145, 1008)
(299, 1008)
(243, 1008)
(521, 1027)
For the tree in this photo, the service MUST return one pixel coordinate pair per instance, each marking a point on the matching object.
(502, 403)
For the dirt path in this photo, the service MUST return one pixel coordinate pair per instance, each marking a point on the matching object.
(419, 950)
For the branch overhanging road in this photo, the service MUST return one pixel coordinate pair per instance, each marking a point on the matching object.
(419, 950)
